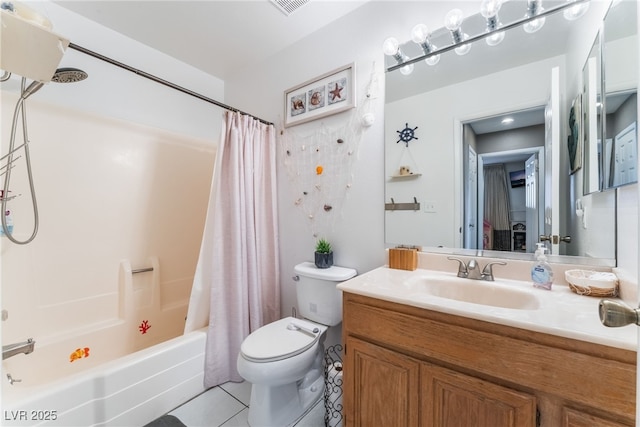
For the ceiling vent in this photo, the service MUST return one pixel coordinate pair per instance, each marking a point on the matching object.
(289, 6)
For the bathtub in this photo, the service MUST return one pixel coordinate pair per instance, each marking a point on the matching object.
(122, 371)
(129, 391)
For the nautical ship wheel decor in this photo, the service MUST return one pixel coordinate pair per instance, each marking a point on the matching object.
(407, 134)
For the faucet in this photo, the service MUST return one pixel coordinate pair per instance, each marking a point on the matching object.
(471, 270)
(11, 350)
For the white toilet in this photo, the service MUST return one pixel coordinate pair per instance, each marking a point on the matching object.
(284, 360)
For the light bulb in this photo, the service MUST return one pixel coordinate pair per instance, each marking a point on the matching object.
(433, 60)
(420, 33)
(407, 69)
(390, 46)
(495, 38)
(453, 19)
(490, 8)
(463, 49)
(533, 26)
(575, 12)
(534, 7)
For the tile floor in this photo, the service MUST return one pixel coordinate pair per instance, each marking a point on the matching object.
(228, 406)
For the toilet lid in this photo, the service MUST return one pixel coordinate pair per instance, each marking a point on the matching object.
(280, 340)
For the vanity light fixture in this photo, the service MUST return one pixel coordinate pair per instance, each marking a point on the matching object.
(453, 23)
(534, 8)
(421, 35)
(532, 21)
(391, 47)
(489, 10)
(507, 121)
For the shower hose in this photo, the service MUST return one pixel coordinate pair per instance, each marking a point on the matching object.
(19, 110)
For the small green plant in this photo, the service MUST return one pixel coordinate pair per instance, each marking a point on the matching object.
(323, 246)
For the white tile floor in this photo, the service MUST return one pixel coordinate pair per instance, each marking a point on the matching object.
(228, 405)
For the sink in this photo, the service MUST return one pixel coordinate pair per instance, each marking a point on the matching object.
(493, 294)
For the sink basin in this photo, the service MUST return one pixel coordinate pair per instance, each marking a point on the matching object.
(493, 294)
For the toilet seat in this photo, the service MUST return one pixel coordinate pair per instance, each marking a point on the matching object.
(278, 340)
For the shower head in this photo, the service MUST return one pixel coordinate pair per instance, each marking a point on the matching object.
(62, 75)
(68, 75)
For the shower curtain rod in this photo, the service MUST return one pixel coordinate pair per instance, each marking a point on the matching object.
(161, 81)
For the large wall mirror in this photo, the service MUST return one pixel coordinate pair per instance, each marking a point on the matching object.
(592, 118)
(445, 126)
(620, 60)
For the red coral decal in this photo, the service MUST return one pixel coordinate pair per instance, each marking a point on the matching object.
(144, 326)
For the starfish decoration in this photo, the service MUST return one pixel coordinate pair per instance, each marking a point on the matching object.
(336, 92)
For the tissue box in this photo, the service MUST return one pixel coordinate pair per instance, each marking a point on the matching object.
(403, 258)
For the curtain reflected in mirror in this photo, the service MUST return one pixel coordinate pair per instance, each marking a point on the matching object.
(497, 207)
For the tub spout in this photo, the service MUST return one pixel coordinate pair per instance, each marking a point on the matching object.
(11, 350)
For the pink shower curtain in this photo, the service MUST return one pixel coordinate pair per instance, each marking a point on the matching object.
(237, 271)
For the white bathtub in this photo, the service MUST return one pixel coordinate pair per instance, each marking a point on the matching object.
(129, 391)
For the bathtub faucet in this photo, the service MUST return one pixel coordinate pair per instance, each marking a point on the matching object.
(25, 347)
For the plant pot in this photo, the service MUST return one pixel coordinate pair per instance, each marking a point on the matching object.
(324, 260)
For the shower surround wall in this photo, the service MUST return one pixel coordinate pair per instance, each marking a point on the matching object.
(112, 196)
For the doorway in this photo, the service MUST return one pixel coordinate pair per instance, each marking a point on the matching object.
(515, 152)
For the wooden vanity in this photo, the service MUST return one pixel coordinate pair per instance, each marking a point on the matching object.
(408, 366)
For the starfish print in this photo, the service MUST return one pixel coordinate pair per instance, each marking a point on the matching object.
(336, 93)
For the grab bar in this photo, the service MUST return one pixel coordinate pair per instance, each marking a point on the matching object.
(141, 270)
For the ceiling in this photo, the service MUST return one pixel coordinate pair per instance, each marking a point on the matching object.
(218, 37)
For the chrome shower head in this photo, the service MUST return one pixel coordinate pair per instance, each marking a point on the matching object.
(68, 75)
(62, 75)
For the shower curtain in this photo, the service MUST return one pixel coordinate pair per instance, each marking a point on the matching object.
(236, 287)
(496, 206)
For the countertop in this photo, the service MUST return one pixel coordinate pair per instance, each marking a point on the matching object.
(560, 311)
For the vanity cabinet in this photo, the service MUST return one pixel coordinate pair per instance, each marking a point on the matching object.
(406, 366)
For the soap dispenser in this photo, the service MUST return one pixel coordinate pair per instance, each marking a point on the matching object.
(541, 272)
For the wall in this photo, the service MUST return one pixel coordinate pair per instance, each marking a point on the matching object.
(359, 238)
(122, 170)
(515, 139)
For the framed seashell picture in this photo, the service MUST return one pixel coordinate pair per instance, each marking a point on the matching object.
(328, 94)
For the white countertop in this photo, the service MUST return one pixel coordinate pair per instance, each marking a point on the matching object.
(560, 312)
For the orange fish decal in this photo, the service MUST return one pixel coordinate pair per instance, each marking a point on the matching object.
(79, 354)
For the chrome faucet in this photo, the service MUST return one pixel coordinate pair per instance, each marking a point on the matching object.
(11, 350)
(471, 270)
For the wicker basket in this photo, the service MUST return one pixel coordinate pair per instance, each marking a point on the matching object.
(592, 283)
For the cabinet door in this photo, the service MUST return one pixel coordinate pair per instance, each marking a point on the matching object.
(452, 399)
(574, 418)
(381, 386)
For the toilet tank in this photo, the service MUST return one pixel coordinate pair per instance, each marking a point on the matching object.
(318, 298)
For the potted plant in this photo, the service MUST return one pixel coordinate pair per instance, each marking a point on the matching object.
(324, 254)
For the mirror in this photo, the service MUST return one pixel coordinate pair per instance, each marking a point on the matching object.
(425, 201)
(592, 119)
(620, 58)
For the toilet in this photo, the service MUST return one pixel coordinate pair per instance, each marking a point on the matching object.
(284, 360)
